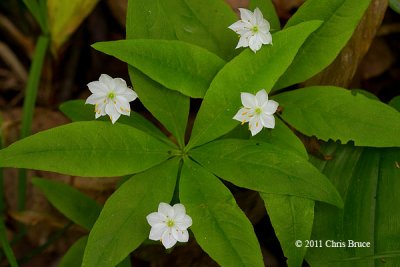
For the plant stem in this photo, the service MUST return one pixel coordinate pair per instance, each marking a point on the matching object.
(3, 233)
(29, 105)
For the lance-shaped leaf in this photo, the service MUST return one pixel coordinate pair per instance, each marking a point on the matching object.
(122, 224)
(177, 65)
(75, 205)
(368, 180)
(74, 255)
(265, 168)
(292, 219)
(92, 149)
(268, 10)
(340, 18)
(335, 113)
(203, 23)
(171, 108)
(248, 72)
(77, 110)
(219, 225)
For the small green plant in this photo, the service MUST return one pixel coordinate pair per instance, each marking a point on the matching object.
(190, 53)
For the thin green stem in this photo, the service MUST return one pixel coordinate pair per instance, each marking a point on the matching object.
(3, 233)
(29, 105)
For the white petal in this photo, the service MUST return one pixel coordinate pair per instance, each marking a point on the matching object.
(94, 99)
(248, 100)
(112, 112)
(265, 38)
(156, 218)
(243, 115)
(120, 84)
(168, 239)
(122, 105)
(180, 235)
(97, 87)
(100, 109)
(270, 107)
(243, 42)
(258, 15)
(262, 97)
(156, 233)
(166, 209)
(183, 223)
(255, 125)
(129, 94)
(255, 43)
(241, 27)
(268, 121)
(247, 15)
(179, 211)
(107, 80)
(264, 26)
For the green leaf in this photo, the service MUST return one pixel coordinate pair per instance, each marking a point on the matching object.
(248, 72)
(292, 219)
(169, 107)
(75, 205)
(395, 102)
(179, 66)
(122, 224)
(89, 149)
(265, 168)
(340, 17)
(219, 225)
(268, 10)
(74, 255)
(367, 178)
(335, 113)
(204, 23)
(76, 110)
(281, 136)
(38, 8)
(395, 5)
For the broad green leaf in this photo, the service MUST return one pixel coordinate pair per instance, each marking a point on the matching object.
(281, 136)
(122, 224)
(169, 107)
(76, 110)
(335, 113)
(395, 102)
(265, 168)
(268, 10)
(292, 219)
(74, 255)
(219, 225)
(248, 72)
(368, 179)
(75, 205)
(92, 149)
(204, 23)
(64, 18)
(340, 17)
(177, 65)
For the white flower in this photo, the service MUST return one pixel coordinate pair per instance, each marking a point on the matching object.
(257, 111)
(253, 29)
(111, 97)
(169, 224)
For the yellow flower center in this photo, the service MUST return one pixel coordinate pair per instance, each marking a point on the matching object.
(170, 223)
(258, 111)
(111, 95)
(255, 29)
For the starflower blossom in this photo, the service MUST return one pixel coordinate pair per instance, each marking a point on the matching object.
(257, 110)
(253, 29)
(111, 97)
(169, 224)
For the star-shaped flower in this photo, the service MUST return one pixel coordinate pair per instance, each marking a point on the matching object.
(111, 97)
(257, 111)
(253, 29)
(169, 224)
